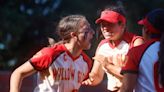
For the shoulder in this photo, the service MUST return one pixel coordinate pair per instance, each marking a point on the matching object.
(129, 37)
(54, 50)
(133, 39)
(45, 57)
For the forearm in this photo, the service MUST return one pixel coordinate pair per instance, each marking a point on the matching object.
(96, 79)
(97, 73)
(15, 81)
(95, 76)
(115, 70)
(92, 81)
(19, 74)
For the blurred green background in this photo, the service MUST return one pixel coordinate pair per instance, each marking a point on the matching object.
(26, 24)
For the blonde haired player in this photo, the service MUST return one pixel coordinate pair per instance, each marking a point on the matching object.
(63, 66)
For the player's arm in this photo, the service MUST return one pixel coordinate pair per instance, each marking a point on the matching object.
(129, 82)
(19, 74)
(115, 70)
(95, 76)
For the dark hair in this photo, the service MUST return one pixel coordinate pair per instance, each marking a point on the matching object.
(69, 24)
(117, 8)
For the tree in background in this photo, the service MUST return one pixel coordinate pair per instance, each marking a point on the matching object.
(26, 24)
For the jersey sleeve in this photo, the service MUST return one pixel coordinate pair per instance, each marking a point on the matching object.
(41, 60)
(44, 58)
(134, 57)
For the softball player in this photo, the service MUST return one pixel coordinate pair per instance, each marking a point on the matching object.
(143, 71)
(115, 46)
(63, 66)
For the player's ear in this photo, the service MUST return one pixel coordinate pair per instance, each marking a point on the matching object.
(73, 34)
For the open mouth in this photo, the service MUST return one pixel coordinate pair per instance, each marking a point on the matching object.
(108, 34)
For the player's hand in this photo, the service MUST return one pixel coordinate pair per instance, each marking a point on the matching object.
(119, 60)
(104, 61)
(89, 80)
